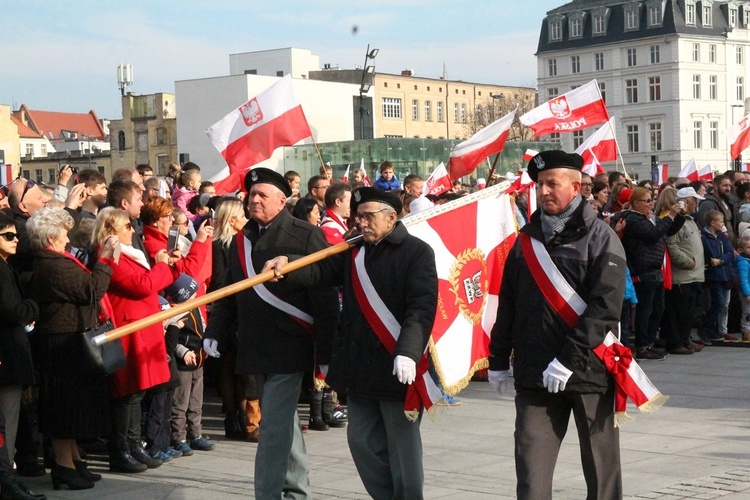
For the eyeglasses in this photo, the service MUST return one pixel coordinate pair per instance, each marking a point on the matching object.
(184, 223)
(29, 184)
(9, 235)
(321, 187)
(587, 184)
(167, 216)
(368, 216)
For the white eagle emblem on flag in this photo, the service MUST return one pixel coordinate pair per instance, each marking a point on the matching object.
(559, 107)
(251, 112)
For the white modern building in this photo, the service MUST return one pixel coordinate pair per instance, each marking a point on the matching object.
(674, 73)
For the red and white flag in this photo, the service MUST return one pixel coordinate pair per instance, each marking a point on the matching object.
(366, 180)
(744, 167)
(529, 154)
(345, 178)
(662, 173)
(6, 174)
(490, 140)
(575, 110)
(739, 136)
(470, 265)
(591, 164)
(706, 173)
(689, 171)
(602, 145)
(438, 182)
(249, 134)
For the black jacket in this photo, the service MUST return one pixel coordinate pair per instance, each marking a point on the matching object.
(271, 341)
(644, 243)
(590, 257)
(16, 367)
(402, 270)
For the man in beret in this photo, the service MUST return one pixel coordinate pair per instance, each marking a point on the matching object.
(561, 292)
(390, 297)
(280, 330)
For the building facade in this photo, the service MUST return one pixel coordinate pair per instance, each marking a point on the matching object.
(673, 73)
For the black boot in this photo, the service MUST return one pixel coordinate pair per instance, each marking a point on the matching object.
(13, 489)
(121, 461)
(70, 477)
(330, 416)
(316, 412)
(83, 470)
(232, 426)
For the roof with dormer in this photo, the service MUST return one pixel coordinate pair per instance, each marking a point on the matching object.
(24, 131)
(55, 125)
(614, 11)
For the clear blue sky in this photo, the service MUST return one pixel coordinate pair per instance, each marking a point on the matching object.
(62, 56)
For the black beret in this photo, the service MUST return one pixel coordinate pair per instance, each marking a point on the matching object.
(262, 175)
(366, 194)
(547, 160)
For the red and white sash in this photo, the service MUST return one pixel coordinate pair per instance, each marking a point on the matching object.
(630, 381)
(245, 251)
(423, 392)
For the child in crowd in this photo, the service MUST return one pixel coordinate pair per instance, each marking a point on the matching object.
(742, 263)
(187, 187)
(719, 256)
(387, 180)
(187, 401)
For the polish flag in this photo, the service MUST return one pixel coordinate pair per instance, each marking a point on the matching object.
(706, 173)
(366, 181)
(744, 167)
(6, 174)
(575, 110)
(690, 171)
(591, 164)
(529, 154)
(465, 157)
(438, 182)
(739, 136)
(602, 144)
(345, 179)
(249, 134)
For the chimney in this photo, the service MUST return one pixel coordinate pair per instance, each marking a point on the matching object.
(407, 72)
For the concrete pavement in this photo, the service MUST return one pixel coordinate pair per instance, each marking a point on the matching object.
(697, 446)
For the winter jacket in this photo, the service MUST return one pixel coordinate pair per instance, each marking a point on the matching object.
(717, 247)
(713, 203)
(590, 257)
(686, 251)
(644, 244)
(180, 199)
(16, 367)
(385, 185)
(742, 263)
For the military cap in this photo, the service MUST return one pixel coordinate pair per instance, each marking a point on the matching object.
(367, 194)
(262, 175)
(547, 160)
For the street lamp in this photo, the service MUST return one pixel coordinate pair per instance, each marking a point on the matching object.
(364, 87)
(494, 97)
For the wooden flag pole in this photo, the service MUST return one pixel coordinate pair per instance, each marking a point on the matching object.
(221, 293)
(320, 157)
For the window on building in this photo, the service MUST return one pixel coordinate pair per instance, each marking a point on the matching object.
(600, 24)
(632, 60)
(654, 88)
(696, 52)
(428, 111)
(712, 53)
(575, 64)
(707, 15)
(654, 130)
(746, 17)
(577, 138)
(455, 112)
(279, 73)
(439, 108)
(392, 107)
(690, 12)
(654, 15)
(633, 145)
(479, 115)
(713, 87)
(39, 175)
(631, 17)
(121, 141)
(740, 88)
(631, 91)
(555, 136)
(141, 141)
(713, 135)
(414, 110)
(555, 31)
(463, 113)
(30, 150)
(44, 150)
(603, 91)
(51, 176)
(696, 86)
(698, 135)
(655, 56)
(552, 92)
(740, 54)
(161, 136)
(732, 15)
(599, 61)
(575, 26)
(552, 67)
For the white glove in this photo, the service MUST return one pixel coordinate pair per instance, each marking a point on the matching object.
(556, 376)
(405, 369)
(211, 346)
(498, 380)
(323, 370)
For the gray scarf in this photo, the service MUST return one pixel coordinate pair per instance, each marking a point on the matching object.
(552, 225)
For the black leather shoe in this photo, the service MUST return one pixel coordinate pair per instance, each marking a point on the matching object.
(121, 461)
(14, 489)
(69, 477)
(83, 471)
(141, 456)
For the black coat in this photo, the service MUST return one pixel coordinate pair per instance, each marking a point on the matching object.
(590, 257)
(16, 367)
(402, 270)
(644, 243)
(271, 341)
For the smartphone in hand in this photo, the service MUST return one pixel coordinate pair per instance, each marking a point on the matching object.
(173, 239)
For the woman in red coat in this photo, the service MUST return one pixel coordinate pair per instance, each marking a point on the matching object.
(133, 292)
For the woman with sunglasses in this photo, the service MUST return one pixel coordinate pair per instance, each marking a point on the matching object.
(16, 367)
(644, 239)
(133, 291)
(73, 394)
